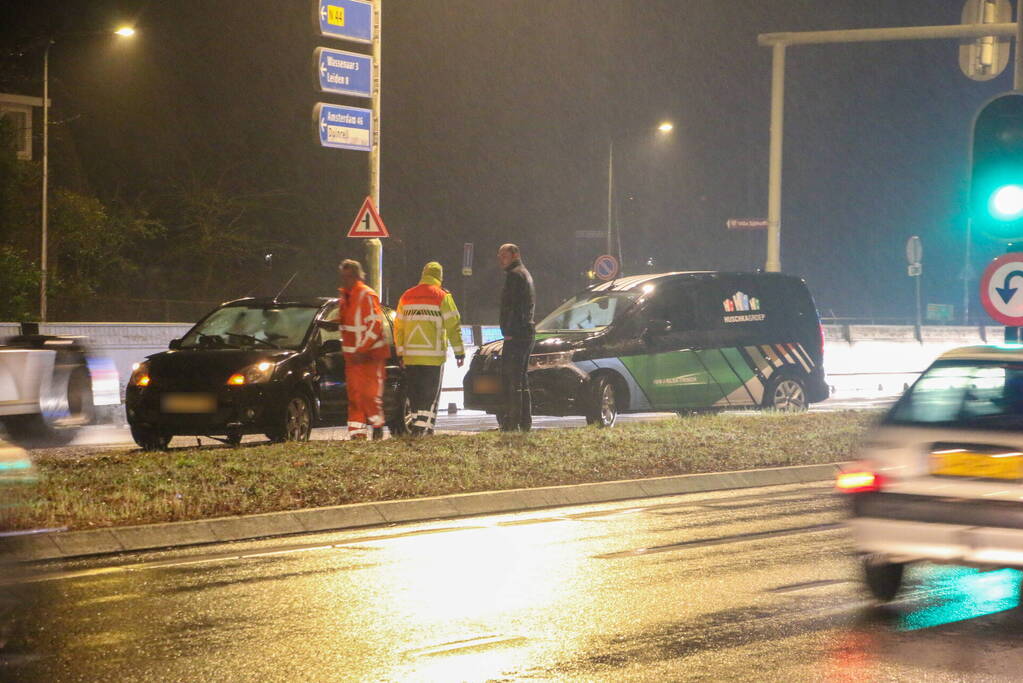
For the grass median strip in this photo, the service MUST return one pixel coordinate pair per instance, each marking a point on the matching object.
(132, 487)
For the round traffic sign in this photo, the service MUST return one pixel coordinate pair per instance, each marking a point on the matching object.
(606, 267)
(1001, 289)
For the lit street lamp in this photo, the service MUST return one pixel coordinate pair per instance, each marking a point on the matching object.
(124, 32)
(664, 128)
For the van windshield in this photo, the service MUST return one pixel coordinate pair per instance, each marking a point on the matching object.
(985, 395)
(588, 311)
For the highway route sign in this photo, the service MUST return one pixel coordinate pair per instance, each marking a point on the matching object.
(345, 19)
(368, 222)
(606, 267)
(746, 224)
(1001, 289)
(344, 127)
(344, 73)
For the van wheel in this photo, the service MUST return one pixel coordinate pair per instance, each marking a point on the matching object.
(786, 393)
(883, 578)
(149, 440)
(603, 409)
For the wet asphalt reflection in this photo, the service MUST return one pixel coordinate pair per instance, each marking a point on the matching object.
(742, 585)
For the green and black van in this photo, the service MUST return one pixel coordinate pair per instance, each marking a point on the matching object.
(683, 341)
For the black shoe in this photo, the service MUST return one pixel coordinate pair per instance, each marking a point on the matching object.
(378, 433)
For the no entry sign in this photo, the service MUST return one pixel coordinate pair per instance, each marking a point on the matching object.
(1001, 289)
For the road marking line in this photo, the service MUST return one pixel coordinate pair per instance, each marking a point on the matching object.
(471, 643)
(721, 540)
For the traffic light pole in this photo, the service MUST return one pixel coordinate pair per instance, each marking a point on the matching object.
(374, 247)
(780, 41)
(1017, 70)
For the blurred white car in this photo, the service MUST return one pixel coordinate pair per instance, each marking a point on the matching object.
(941, 478)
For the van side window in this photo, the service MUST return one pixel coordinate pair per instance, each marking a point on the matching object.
(675, 302)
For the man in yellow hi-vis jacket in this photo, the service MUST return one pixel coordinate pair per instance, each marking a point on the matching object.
(427, 320)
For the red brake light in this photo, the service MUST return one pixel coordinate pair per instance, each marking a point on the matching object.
(858, 482)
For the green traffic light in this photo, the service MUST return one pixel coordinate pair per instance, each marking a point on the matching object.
(1007, 203)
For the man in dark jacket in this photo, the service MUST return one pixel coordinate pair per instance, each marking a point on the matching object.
(517, 328)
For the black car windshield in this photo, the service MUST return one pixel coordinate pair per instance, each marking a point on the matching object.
(282, 327)
(967, 393)
(588, 311)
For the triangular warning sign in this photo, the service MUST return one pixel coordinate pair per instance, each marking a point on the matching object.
(367, 222)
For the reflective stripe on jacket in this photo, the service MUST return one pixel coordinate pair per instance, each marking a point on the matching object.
(362, 322)
(427, 320)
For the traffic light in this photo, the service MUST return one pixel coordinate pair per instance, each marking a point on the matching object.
(996, 174)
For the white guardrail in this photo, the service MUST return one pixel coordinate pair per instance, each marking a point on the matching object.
(860, 360)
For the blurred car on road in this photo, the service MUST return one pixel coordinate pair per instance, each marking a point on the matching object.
(252, 366)
(940, 479)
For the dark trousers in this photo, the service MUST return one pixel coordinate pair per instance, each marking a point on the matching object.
(422, 386)
(515, 383)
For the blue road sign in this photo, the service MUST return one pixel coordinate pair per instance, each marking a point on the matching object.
(344, 73)
(606, 267)
(344, 127)
(346, 19)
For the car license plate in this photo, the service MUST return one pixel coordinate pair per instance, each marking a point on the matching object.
(965, 463)
(188, 403)
(487, 385)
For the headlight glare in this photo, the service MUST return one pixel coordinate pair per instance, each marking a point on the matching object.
(140, 374)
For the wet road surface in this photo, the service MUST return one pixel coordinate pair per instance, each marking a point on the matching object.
(755, 584)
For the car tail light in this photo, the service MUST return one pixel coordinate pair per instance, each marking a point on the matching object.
(820, 328)
(858, 481)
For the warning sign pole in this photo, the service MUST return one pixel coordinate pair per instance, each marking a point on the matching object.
(374, 247)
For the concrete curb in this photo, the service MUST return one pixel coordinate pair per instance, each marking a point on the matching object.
(60, 545)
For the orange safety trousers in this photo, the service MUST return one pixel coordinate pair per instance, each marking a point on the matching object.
(365, 380)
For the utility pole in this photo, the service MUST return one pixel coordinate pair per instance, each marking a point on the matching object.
(374, 247)
(610, 184)
(46, 181)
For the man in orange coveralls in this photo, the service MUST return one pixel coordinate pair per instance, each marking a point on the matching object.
(365, 349)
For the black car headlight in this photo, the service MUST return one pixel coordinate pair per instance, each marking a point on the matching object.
(549, 360)
(257, 373)
(140, 375)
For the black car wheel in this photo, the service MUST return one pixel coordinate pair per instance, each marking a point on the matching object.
(786, 393)
(883, 578)
(295, 422)
(603, 408)
(149, 440)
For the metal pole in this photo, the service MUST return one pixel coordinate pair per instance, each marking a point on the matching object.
(919, 322)
(374, 247)
(46, 181)
(773, 263)
(966, 273)
(1017, 73)
(610, 183)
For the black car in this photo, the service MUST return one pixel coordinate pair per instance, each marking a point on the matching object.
(252, 366)
(668, 342)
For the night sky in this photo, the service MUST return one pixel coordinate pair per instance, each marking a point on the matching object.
(495, 127)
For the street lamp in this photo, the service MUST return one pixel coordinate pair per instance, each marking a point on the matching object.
(124, 32)
(664, 128)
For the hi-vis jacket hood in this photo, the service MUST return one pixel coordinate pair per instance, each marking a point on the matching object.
(427, 320)
(362, 322)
